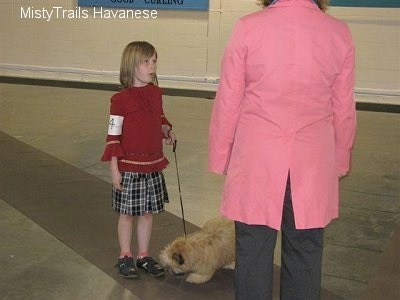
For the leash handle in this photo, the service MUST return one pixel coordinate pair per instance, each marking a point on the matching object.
(174, 146)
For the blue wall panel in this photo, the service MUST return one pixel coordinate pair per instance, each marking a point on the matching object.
(366, 3)
(204, 4)
(149, 4)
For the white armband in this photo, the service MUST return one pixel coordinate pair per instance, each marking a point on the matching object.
(115, 125)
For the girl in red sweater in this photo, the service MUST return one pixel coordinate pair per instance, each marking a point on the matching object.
(136, 130)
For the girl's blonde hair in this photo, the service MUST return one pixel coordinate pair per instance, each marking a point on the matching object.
(134, 54)
(322, 4)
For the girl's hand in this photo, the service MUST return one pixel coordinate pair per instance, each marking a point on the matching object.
(171, 138)
(116, 176)
(116, 179)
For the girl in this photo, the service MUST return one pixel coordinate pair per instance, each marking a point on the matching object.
(136, 129)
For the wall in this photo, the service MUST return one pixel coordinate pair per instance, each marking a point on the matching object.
(189, 43)
(376, 33)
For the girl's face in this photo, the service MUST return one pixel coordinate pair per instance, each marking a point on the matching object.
(145, 71)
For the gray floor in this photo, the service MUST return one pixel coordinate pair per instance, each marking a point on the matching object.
(69, 124)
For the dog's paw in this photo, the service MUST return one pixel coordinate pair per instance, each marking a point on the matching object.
(198, 278)
(172, 272)
(230, 266)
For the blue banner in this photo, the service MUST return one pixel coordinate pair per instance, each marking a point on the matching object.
(365, 3)
(149, 4)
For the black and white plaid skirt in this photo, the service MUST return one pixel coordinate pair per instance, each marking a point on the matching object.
(140, 194)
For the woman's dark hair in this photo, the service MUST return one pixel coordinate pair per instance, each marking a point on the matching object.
(322, 4)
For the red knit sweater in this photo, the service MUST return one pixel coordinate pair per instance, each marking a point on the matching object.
(139, 148)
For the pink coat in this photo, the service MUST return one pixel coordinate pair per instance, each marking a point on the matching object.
(285, 102)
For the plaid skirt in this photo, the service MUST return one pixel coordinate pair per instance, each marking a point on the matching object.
(141, 193)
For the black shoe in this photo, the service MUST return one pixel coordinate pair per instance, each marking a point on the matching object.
(126, 268)
(150, 266)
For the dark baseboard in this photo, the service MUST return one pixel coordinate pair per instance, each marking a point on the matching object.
(378, 107)
(60, 83)
(362, 106)
(100, 86)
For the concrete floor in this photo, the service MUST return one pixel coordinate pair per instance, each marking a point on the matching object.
(70, 124)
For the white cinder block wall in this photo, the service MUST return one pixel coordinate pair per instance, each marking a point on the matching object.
(376, 33)
(189, 43)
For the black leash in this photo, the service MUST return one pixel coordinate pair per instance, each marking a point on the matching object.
(179, 187)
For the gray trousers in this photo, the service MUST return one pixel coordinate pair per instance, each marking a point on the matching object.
(300, 265)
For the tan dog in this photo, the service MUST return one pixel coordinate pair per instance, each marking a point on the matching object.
(202, 252)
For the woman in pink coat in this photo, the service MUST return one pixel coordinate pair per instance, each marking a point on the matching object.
(282, 130)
